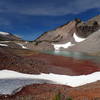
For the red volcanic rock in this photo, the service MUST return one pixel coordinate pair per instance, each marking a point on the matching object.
(39, 92)
(87, 92)
(76, 66)
(45, 63)
(50, 92)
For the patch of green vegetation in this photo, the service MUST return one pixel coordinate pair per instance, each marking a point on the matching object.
(1, 39)
(58, 96)
(69, 98)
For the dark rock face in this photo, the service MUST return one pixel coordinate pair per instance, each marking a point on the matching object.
(84, 29)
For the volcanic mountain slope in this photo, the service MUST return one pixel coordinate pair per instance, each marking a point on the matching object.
(91, 45)
(5, 36)
(64, 34)
(12, 41)
(61, 34)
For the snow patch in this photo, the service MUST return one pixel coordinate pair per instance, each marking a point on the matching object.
(58, 46)
(11, 81)
(26, 42)
(22, 45)
(4, 41)
(78, 39)
(4, 33)
(5, 45)
(68, 44)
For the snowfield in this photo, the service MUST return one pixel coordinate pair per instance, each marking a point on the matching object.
(5, 45)
(58, 46)
(22, 45)
(68, 44)
(78, 39)
(4, 33)
(12, 82)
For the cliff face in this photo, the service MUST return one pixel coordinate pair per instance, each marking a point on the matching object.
(85, 29)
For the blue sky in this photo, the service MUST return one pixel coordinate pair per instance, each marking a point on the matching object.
(30, 18)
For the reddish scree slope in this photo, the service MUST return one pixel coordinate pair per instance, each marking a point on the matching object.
(45, 63)
(78, 67)
(37, 63)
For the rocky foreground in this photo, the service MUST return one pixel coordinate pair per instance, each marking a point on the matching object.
(31, 62)
(57, 92)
